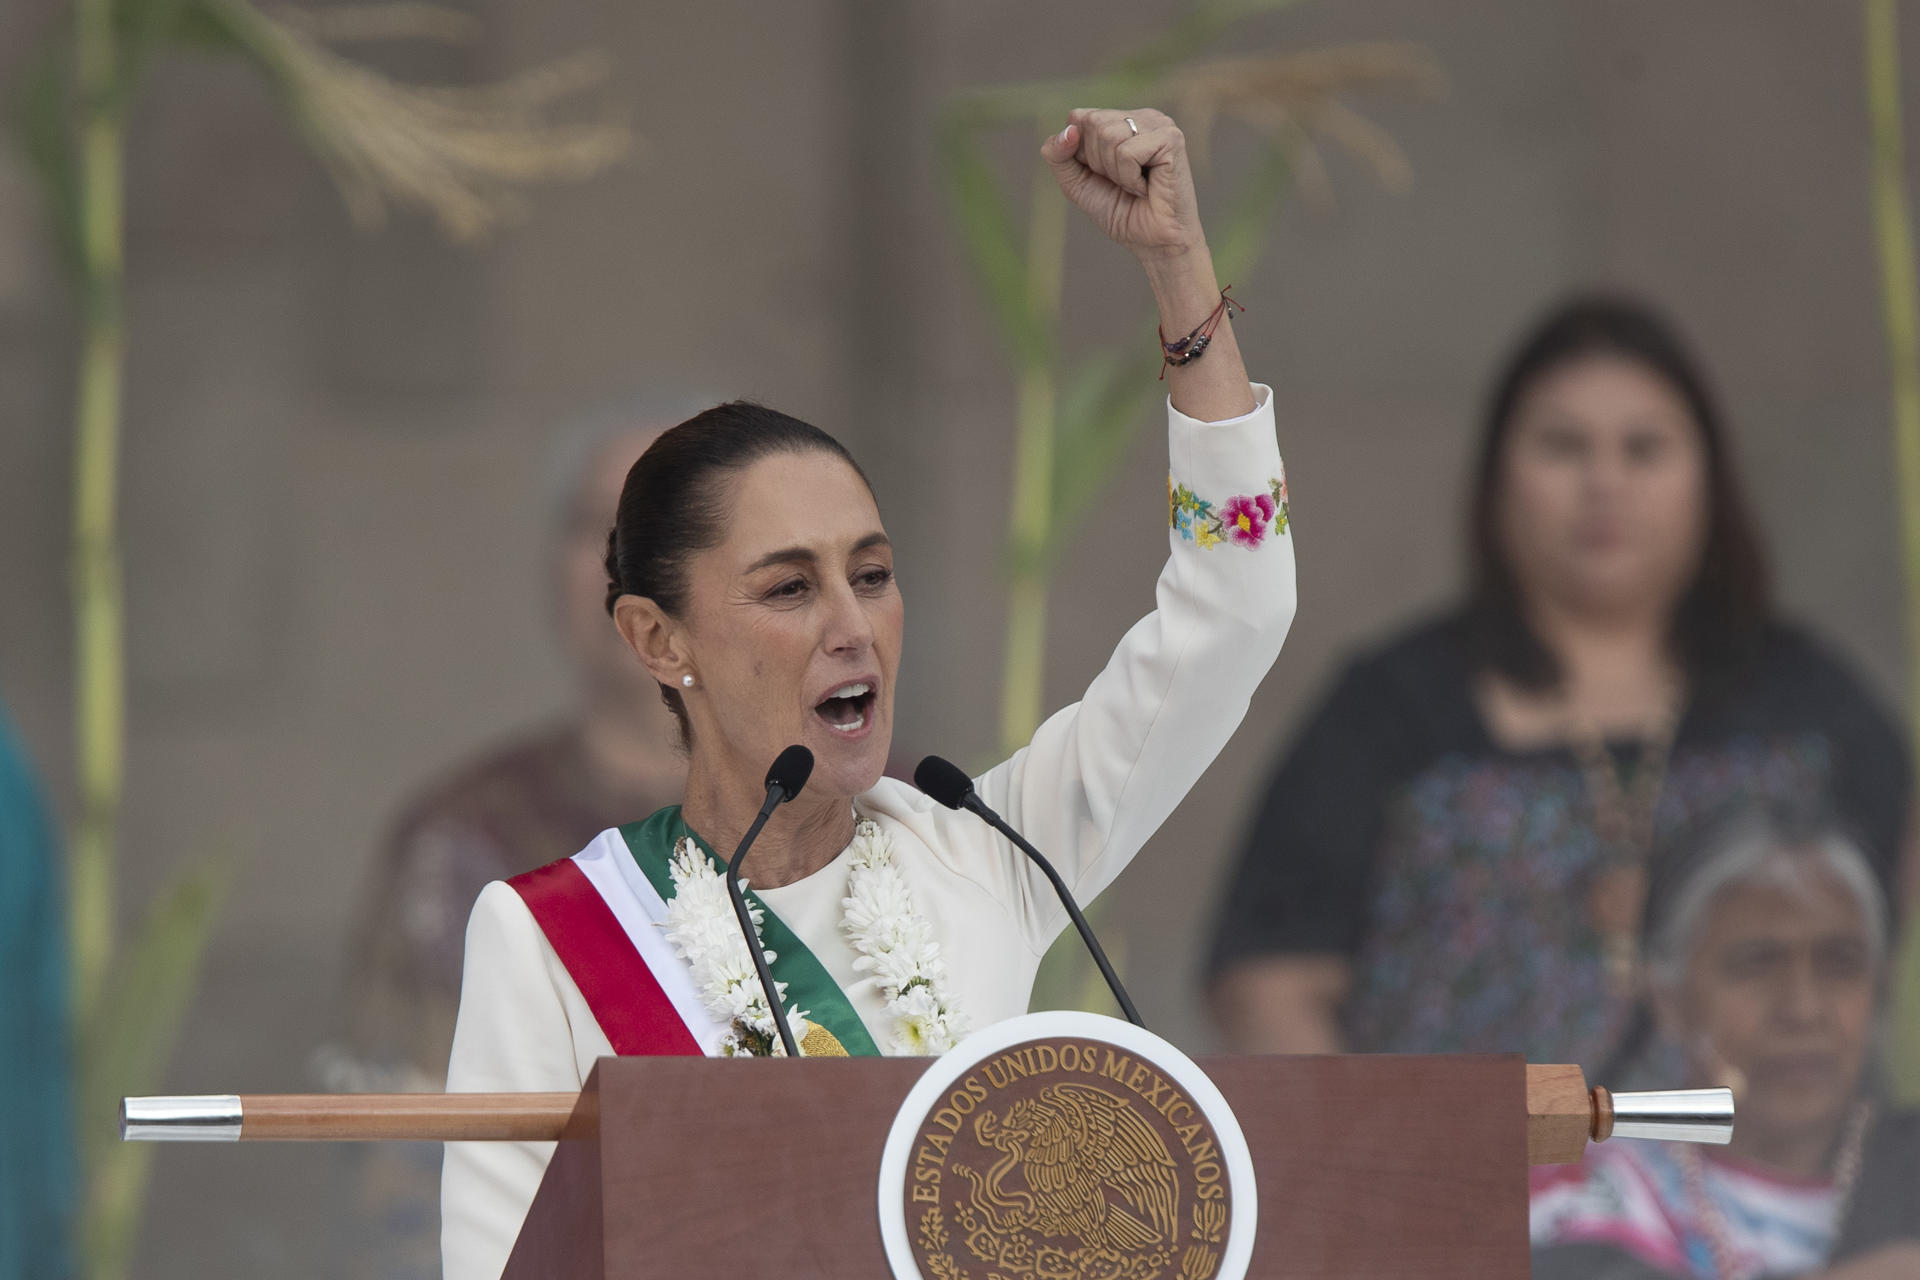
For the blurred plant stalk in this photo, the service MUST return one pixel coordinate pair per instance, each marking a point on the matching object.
(1031, 528)
(459, 154)
(1076, 420)
(99, 660)
(1893, 235)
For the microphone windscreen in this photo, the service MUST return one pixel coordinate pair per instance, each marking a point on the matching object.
(944, 780)
(790, 771)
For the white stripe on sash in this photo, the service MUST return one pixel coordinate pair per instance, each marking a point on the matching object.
(610, 868)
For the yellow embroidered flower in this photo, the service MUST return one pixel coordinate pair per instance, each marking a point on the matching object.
(1205, 537)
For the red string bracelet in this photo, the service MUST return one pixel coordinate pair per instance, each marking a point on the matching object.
(1184, 351)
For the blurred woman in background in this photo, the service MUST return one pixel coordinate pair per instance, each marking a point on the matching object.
(518, 803)
(1453, 854)
(1766, 954)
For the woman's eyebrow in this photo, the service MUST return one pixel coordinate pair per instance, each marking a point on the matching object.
(786, 555)
(805, 555)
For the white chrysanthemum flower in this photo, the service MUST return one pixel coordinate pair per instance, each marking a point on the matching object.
(896, 947)
(896, 969)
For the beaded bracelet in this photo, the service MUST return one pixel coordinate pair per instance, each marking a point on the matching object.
(1184, 351)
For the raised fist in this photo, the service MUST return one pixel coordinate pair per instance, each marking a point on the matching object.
(1136, 186)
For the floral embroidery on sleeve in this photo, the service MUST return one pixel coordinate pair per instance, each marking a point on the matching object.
(1243, 519)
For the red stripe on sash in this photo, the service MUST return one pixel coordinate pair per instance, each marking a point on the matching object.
(626, 999)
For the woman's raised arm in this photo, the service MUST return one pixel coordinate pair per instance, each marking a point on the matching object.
(1101, 776)
(1128, 171)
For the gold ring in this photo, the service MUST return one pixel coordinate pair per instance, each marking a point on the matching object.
(1131, 125)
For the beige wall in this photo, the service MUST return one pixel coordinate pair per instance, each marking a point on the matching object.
(330, 510)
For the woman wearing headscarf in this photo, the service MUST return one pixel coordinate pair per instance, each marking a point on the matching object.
(752, 577)
(1766, 957)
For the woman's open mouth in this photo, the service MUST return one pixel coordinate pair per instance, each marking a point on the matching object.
(849, 709)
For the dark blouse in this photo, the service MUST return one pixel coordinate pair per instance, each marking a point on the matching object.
(1456, 873)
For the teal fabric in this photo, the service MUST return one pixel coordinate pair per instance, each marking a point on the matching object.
(37, 1181)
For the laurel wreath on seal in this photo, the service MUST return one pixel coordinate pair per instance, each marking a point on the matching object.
(1017, 1258)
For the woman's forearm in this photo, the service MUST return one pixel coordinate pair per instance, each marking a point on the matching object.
(1214, 387)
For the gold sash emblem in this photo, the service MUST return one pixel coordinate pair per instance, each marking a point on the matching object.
(1064, 1160)
(820, 1043)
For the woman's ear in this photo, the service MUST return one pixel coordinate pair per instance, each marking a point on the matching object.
(653, 636)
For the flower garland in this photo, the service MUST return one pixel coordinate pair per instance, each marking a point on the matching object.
(704, 932)
(895, 945)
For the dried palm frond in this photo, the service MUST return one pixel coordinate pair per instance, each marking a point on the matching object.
(457, 153)
(1294, 100)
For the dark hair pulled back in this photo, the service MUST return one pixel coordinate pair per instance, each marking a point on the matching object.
(674, 502)
(1722, 611)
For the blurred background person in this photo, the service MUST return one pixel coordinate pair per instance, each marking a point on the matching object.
(539, 795)
(1766, 954)
(36, 1124)
(1454, 853)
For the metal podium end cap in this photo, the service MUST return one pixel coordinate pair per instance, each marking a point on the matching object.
(213, 1117)
(1675, 1115)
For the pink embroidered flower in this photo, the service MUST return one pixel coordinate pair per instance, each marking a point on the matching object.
(1245, 519)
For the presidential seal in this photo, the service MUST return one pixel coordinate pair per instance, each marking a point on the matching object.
(1066, 1146)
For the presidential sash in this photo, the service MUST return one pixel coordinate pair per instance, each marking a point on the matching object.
(602, 911)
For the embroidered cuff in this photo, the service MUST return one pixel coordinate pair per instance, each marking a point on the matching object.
(1244, 519)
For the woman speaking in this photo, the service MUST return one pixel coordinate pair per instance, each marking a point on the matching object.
(751, 576)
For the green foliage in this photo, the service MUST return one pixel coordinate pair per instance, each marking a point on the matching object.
(1243, 239)
(1101, 413)
(994, 249)
(41, 128)
(124, 1048)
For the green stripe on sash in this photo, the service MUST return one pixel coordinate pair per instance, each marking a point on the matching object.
(809, 985)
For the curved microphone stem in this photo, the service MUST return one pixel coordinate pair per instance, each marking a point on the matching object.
(994, 820)
(775, 795)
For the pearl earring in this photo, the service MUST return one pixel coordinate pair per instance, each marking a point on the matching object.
(687, 680)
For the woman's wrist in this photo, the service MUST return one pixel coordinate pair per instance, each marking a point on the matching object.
(1184, 287)
(1212, 385)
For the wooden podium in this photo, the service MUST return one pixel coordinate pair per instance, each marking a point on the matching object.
(1352, 1167)
(1368, 1166)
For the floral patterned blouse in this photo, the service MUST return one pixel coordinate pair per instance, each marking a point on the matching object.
(1455, 874)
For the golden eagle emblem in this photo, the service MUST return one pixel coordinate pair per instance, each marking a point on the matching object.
(1093, 1170)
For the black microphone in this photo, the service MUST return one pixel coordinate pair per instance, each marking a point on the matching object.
(949, 784)
(789, 773)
